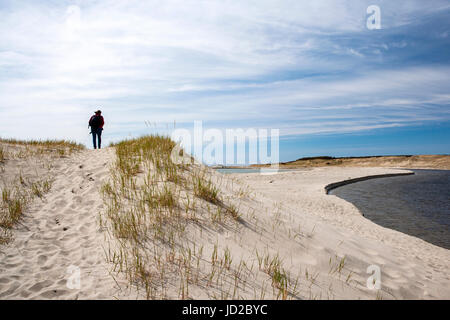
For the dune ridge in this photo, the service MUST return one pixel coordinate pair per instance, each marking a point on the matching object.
(241, 236)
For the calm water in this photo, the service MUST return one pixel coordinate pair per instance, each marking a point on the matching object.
(418, 204)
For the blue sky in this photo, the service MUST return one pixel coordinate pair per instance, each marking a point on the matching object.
(309, 68)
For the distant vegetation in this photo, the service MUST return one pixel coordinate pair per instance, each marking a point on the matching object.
(334, 158)
(398, 161)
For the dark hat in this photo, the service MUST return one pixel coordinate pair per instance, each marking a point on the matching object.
(98, 111)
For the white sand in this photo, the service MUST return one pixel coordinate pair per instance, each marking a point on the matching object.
(410, 267)
(292, 216)
(59, 232)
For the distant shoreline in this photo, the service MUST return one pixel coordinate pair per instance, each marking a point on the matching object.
(441, 162)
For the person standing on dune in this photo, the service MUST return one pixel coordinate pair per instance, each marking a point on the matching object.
(96, 122)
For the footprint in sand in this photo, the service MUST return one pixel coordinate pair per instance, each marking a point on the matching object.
(85, 227)
(40, 286)
(11, 265)
(25, 294)
(49, 294)
(70, 210)
(76, 200)
(61, 203)
(10, 289)
(42, 259)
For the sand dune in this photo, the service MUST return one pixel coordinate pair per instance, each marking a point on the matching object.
(58, 232)
(322, 242)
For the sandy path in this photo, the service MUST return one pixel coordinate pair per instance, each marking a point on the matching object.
(60, 234)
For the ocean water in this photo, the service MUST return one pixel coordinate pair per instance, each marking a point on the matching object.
(418, 205)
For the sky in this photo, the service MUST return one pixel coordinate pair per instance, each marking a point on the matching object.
(312, 69)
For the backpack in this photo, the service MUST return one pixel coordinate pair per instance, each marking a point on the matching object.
(95, 122)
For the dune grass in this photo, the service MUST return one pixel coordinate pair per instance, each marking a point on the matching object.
(2, 155)
(15, 198)
(12, 204)
(156, 212)
(28, 148)
(151, 202)
(49, 143)
(17, 192)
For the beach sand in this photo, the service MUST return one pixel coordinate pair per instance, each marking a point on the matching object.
(324, 242)
(410, 267)
(59, 232)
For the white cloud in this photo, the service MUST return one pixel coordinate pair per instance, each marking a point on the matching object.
(211, 60)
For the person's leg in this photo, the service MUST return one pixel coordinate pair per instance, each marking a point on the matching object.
(99, 134)
(94, 137)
